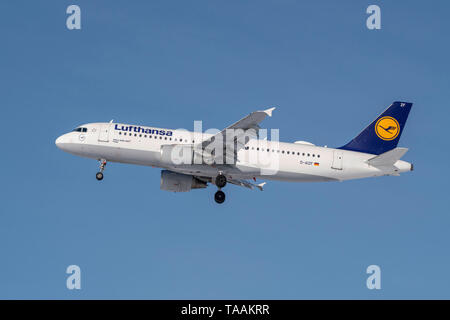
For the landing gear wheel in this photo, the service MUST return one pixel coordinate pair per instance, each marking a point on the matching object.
(99, 176)
(221, 181)
(219, 196)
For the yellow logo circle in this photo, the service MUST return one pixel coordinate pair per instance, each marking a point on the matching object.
(387, 128)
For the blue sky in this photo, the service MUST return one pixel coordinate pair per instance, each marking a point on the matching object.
(168, 63)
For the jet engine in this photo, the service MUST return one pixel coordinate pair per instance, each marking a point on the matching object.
(177, 182)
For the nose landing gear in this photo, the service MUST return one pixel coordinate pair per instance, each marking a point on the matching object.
(220, 181)
(99, 175)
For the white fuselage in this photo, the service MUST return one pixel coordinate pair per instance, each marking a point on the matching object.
(297, 162)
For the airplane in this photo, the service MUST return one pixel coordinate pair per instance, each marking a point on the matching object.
(238, 155)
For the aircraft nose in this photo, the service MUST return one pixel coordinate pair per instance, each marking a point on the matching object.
(61, 141)
(58, 141)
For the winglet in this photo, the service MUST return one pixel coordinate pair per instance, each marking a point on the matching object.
(269, 111)
(260, 186)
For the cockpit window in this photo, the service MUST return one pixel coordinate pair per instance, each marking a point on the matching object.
(80, 129)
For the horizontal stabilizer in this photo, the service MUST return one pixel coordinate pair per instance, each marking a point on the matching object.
(388, 158)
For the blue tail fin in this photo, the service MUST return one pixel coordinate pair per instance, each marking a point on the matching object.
(384, 133)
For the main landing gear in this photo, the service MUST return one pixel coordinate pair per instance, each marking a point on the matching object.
(220, 181)
(219, 196)
(99, 175)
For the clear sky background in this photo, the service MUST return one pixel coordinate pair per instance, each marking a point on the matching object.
(168, 63)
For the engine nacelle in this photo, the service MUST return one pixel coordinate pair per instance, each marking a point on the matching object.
(177, 182)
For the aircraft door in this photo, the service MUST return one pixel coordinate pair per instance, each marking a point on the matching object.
(103, 134)
(337, 160)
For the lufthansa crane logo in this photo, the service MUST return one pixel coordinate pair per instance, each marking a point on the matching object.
(387, 128)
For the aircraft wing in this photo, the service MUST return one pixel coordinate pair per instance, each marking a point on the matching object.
(247, 184)
(252, 120)
(247, 126)
(237, 182)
